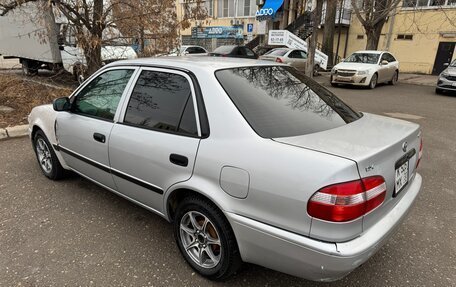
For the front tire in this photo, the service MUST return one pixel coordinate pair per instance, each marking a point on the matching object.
(205, 239)
(47, 159)
(438, 91)
(316, 70)
(373, 82)
(29, 68)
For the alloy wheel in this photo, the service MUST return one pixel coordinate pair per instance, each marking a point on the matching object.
(44, 155)
(200, 239)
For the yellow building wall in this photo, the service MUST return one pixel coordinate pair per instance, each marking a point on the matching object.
(417, 55)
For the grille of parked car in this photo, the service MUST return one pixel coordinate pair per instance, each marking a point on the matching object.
(346, 73)
(451, 78)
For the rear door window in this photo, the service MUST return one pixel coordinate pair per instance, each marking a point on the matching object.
(163, 102)
(278, 101)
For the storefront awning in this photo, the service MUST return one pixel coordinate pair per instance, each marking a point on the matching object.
(269, 9)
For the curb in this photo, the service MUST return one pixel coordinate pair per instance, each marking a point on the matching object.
(14, 132)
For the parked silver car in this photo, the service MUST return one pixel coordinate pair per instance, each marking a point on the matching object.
(366, 68)
(293, 57)
(250, 160)
(447, 79)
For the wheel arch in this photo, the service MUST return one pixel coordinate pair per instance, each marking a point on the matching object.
(176, 195)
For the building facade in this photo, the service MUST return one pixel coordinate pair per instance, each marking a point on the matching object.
(228, 22)
(420, 33)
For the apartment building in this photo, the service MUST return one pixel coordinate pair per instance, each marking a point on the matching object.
(228, 22)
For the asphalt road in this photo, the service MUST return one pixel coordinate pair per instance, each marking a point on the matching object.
(73, 233)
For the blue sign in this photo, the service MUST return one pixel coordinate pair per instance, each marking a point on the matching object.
(269, 10)
(219, 32)
(249, 28)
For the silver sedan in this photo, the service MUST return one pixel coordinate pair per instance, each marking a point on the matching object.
(250, 161)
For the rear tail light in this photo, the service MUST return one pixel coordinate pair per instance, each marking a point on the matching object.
(349, 200)
(278, 60)
(420, 153)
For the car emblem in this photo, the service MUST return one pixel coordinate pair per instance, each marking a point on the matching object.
(404, 147)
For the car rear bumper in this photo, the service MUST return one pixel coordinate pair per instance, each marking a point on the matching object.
(312, 259)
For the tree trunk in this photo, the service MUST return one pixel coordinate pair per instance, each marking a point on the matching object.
(328, 32)
(316, 17)
(92, 49)
(373, 35)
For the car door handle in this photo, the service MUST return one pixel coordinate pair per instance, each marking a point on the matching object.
(99, 137)
(178, 159)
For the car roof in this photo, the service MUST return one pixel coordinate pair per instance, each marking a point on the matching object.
(193, 63)
(370, 51)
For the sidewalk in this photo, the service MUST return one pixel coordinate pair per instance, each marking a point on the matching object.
(6, 64)
(412, 79)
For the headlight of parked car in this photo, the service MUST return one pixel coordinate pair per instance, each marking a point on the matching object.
(444, 75)
(334, 70)
(364, 72)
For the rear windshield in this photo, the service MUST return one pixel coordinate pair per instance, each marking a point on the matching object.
(224, 49)
(279, 101)
(277, 52)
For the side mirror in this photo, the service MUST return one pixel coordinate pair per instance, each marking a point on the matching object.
(446, 64)
(61, 104)
(384, 62)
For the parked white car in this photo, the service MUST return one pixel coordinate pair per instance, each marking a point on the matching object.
(189, 50)
(366, 68)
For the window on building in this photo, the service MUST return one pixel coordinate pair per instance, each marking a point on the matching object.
(236, 8)
(427, 3)
(409, 3)
(209, 5)
(359, 37)
(405, 37)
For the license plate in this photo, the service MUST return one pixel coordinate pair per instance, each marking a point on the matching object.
(401, 177)
(343, 79)
(453, 84)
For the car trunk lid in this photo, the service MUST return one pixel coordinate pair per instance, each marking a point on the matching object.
(377, 146)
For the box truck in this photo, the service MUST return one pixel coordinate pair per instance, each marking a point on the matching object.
(41, 38)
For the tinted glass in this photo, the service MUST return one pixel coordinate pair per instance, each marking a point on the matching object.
(249, 52)
(366, 58)
(199, 50)
(158, 102)
(296, 54)
(224, 49)
(101, 96)
(277, 52)
(390, 57)
(279, 101)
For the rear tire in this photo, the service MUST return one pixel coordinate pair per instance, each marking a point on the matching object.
(316, 70)
(373, 82)
(29, 67)
(394, 79)
(47, 159)
(205, 239)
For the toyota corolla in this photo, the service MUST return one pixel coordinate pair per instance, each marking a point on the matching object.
(250, 161)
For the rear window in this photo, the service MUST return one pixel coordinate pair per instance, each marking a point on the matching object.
(224, 49)
(277, 52)
(279, 101)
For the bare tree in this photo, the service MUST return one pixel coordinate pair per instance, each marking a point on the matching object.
(316, 19)
(93, 19)
(373, 14)
(329, 29)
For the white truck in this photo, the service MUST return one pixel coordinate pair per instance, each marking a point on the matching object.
(41, 38)
(290, 40)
